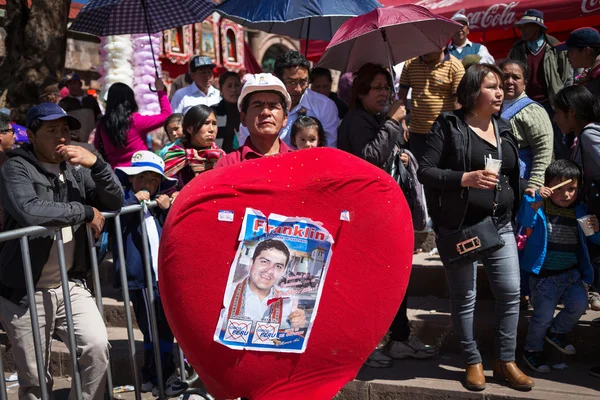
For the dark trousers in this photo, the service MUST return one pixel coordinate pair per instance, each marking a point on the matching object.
(562, 149)
(399, 328)
(141, 309)
(417, 144)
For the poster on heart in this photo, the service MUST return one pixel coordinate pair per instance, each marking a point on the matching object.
(275, 283)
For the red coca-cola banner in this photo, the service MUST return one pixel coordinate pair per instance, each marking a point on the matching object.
(493, 14)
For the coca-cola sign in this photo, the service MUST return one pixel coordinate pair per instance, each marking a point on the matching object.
(496, 15)
(588, 6)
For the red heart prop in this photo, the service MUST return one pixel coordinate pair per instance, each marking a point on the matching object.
(365, 283)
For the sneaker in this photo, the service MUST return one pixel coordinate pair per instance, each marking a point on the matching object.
(559, 340)
(594, 299)
(536, 360)
(147, 387)
(378, 360)
(412, 348)
(595, 371)
(173, 387)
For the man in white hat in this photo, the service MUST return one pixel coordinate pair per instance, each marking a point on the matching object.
(263, 105)
(461, 46)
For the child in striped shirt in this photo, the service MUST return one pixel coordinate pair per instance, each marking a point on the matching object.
(556, 255)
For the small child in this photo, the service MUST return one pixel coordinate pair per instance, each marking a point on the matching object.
(556, 254)
(307, 132)
(143, 181)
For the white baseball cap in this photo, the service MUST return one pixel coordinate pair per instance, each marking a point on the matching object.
(264, 83)
(460, 17)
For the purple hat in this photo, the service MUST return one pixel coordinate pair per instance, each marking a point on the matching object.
(532, 17)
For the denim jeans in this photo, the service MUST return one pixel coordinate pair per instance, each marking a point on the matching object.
(502, 269)
(566, 288)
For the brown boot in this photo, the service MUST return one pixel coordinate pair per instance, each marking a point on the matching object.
(508, 371)
(475, 377)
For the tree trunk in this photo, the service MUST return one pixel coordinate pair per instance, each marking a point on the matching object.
(36, 44)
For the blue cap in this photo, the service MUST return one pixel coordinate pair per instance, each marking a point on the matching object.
(580, 38)
(51, 112)
(70, 77)
(200, 62)
(532, 17)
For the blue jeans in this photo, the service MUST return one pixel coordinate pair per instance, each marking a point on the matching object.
(566, 288)
(503, 272)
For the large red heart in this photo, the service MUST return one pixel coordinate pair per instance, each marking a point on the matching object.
(364, 287)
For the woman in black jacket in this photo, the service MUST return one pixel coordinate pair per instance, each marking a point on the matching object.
(461, 193)
(228, 115)
(367, 131)
(370, 133)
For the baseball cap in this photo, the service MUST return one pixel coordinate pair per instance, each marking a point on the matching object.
(264, 83)
(70, 77)
(460, 17)
(582, 37)
(201, 61)
(50, 112)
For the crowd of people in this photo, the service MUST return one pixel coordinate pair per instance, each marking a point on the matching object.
(446, 120)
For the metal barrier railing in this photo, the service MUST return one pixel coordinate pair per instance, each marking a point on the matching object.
(23, 234)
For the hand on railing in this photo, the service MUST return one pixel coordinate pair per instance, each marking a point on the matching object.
(164, 201)
(97, 223)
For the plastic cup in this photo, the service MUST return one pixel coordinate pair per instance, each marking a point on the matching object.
(583, 223)
(493, 165)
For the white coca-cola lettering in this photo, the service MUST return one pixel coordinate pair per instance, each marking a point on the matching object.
(496, 15)
(433, 4)
(588, 6)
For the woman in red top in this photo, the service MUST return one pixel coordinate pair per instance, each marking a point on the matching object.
(122, 130)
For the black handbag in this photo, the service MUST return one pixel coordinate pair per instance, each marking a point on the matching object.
(476, 242)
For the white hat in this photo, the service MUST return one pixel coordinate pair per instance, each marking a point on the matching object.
(143, 161)
(264, 83)
(460, 17)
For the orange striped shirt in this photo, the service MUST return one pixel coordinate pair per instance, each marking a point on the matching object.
(433, 90)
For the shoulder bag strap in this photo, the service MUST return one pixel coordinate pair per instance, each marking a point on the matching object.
(499, 150)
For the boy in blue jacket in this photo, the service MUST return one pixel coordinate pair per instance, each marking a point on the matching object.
(556, 255)
(142, 182)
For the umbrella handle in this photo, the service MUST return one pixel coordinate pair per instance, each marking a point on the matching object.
(151, 88)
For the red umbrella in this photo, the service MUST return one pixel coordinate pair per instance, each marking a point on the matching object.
(387, 36)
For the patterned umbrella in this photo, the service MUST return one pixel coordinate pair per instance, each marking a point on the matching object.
(121, 17)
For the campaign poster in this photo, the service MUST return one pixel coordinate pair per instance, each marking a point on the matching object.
(275, 283)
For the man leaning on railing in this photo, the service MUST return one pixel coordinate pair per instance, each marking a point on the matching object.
(52, 183)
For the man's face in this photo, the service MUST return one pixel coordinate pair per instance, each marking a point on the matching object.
(47, 138)
(462, 34)
(296, 81)
(7, 138)
(322, 85)
(202, 77)
(267, 269)
(530, 32)
(74, 86)
(580, 58)
(265, 116)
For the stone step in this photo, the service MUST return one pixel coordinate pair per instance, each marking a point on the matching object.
(440, 377)
(431, 322)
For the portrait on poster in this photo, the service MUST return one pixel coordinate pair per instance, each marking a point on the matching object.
(275, 283)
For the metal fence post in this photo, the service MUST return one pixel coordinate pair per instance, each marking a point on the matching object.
(125, 290)
(35, 324)
(69, 313)
(152, 301)
(98, 294)
(181, 364)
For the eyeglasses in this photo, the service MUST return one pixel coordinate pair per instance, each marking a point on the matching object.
(382, 88)
(9, 131)
(294, 83)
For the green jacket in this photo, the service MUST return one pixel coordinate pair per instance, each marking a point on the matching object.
(556, 66)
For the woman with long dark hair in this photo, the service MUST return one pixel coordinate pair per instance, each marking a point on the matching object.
(197, 151)
(122, 130)
(466, 195)
(228, 115)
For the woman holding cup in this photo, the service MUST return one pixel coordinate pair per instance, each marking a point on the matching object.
(462, 194)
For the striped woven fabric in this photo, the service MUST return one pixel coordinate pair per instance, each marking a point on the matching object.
(199, 160)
